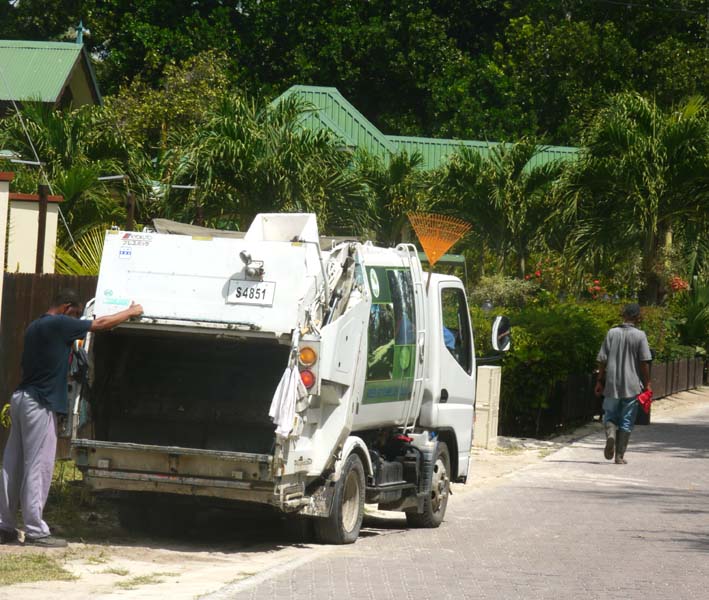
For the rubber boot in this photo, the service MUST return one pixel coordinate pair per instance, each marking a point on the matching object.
(609, 450)
(620, 447)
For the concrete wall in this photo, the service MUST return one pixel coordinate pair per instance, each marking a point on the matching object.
(22, 234)
(5, 179)
(487, 406)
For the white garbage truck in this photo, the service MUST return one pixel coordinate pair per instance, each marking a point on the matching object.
(266, 369)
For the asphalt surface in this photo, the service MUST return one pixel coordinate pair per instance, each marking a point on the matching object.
(573, 525)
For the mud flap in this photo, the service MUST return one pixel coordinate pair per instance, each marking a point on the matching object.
(321, 498)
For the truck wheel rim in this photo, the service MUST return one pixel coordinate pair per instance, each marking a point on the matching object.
(350, 503)
(439, 486)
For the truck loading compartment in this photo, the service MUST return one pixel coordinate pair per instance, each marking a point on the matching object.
(171, 388)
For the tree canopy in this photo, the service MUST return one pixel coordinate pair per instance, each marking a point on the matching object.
(190, 125)
(470, 69)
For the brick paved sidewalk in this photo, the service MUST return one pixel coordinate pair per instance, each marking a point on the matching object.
(573, 525)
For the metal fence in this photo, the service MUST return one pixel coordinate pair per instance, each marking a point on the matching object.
(574, 400)
(25, 297)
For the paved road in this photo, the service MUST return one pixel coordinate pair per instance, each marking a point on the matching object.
(571, 526)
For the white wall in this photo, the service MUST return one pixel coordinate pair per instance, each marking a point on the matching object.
(4, 207)
(22, 236)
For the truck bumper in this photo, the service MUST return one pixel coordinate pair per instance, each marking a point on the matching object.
(120, 466)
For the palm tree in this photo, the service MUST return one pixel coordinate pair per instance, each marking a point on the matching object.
(642, 178)
(84, 257)
(505, 195)
(459, 187)
(395, 188)
(693, 326)
(76, 148)
(251, 158)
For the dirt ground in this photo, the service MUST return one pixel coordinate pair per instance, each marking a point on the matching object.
(221, 550)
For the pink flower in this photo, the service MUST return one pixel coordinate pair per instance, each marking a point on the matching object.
(537, 273)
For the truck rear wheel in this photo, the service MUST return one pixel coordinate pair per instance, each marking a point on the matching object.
(345, 520)
(434, 506)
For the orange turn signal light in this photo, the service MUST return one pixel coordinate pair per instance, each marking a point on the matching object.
(307, 378)
(307, 356)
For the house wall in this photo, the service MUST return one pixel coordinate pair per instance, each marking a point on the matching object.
(5, 179)
(79, 86)
(22, 235)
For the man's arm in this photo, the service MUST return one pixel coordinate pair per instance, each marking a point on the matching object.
(110, 321)
(645, 374)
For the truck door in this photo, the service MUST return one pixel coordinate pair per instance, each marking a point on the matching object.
(456, 331)
(391, 348)
(457, 371)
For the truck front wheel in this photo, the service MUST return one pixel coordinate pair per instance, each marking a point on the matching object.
(434, 505)
(345, 520)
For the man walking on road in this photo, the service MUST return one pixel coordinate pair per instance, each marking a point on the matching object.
(623, 373)
(28, 460)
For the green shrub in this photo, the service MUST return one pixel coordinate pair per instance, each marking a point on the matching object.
(659, 323)
(549, 344)
(482, 327)
(692, 313)
(503, 292)
(552, 342)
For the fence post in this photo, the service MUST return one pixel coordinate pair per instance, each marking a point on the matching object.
(41, 227)
(5, 179)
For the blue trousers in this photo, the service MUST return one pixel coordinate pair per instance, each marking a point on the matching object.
(621, 411)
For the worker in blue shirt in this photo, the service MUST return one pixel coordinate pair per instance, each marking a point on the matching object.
(28, 459)
(449, 339)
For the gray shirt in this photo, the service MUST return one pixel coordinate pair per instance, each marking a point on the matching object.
(624, 348)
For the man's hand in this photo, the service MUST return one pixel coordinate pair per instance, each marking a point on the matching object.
(135, 310)
(599, 389)
(110, 321)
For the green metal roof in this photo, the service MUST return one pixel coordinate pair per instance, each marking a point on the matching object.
(39, 70)
(335, 113)
(435, 151)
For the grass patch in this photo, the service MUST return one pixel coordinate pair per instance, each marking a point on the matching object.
(97, 559)
(75, 511)
(150, 579)
(116, 571)
(509, 450)
(28, 568)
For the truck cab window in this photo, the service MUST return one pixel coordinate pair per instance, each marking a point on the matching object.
(380, 362)
(456, 326)
(391, 336)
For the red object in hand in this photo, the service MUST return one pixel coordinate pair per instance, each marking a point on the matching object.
(645, 399)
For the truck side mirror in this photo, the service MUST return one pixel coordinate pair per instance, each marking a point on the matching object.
(501, 334)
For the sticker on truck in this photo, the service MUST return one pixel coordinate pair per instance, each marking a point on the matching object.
(242, 291)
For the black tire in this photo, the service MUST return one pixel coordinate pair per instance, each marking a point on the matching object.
(435, 504)
(345, 520)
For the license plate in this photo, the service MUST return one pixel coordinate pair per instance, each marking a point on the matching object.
(260, 293)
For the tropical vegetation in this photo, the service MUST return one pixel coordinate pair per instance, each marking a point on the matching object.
(189, 131)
